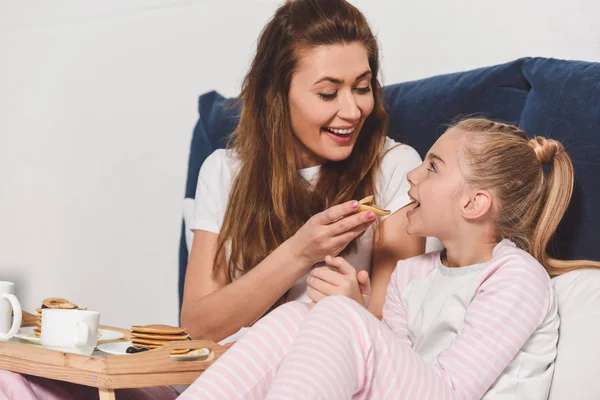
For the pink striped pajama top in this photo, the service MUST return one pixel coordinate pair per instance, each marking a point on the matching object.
(492, 325)
(483, 331)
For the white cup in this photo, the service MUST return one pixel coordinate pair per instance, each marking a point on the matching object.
(8, 303)
(70, 331)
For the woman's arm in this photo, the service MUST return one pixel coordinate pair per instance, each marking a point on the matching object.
(213, 308)
(391, 243)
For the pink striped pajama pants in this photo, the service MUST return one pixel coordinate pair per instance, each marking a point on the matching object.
(338, 350)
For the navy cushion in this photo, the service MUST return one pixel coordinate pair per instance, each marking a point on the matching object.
(420, 111)
(218, 118)
(545, 97)
(564, 104)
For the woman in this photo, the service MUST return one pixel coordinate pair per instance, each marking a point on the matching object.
(311, 141)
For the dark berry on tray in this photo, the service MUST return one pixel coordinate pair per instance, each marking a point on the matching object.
(133, 349)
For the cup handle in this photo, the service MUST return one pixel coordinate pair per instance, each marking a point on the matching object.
(81, 337)
(16, 325)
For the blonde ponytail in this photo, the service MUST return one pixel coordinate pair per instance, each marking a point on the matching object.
(559, 184)
(500, 157)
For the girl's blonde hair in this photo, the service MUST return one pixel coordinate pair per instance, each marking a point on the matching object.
(530, 203)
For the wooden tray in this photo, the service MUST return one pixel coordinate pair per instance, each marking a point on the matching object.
(108, 372)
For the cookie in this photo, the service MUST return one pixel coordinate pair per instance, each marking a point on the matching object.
(366, 205)
(180, 351)
(58, 303)
(183, 336)
(157, 328)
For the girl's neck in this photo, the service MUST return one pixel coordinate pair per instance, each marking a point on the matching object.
(461, 253)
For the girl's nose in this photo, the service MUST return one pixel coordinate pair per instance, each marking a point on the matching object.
(412, 177)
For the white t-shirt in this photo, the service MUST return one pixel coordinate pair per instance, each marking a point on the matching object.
(220, 168)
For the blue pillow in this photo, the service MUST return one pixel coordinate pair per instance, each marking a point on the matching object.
(218, 118)
(420, 111)
(564, 104)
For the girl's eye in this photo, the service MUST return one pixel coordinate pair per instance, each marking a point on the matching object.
(363, 90)
(327, 96)
(432, 167)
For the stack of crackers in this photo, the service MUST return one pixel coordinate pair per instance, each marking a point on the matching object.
(56, 303)
(155, 336)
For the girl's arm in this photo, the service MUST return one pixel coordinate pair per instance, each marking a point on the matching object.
(391, 244)
(508, 307)
(394, 313)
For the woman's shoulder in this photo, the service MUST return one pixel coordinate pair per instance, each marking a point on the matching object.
(221, 161)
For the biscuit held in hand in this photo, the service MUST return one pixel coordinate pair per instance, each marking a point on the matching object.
(366, 205)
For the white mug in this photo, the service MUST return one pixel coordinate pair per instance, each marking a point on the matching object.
(9, 302)
(70, 331)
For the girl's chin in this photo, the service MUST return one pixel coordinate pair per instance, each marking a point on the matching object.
(413, 230)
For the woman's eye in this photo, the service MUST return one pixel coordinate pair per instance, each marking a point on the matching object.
(327, 96)
(432, 167)
(363, 90)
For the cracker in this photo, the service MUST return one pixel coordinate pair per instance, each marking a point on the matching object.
(159, 329)
(150, 341)
(156, 336)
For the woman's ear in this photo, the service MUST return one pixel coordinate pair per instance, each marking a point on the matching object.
(476, 204)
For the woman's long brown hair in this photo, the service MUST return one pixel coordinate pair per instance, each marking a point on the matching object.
(269, 200)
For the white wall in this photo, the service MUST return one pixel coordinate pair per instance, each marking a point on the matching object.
(98, 103)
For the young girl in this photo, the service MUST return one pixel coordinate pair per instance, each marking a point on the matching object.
(478, 319)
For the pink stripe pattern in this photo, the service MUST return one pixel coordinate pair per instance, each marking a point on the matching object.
(495, 333)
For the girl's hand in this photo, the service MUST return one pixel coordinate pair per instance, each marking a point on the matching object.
(339, 278)
(329, 232)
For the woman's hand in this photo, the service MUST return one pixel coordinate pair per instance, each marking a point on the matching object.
(339, 278)
(329, 232)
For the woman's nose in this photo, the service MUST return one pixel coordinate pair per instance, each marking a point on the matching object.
(349, 110)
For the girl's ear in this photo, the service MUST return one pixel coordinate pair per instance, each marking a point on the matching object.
(476, 204)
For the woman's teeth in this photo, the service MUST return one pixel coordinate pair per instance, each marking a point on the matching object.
(340, 132)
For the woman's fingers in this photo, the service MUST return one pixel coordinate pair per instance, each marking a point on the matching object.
(335, 213)
(343, 239)
(353, 221)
